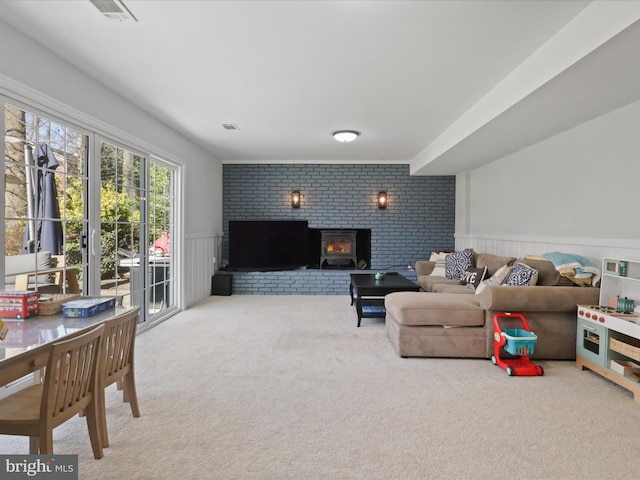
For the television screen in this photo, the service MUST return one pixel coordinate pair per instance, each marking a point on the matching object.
(268, 244)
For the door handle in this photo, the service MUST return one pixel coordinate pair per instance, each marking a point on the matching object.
(93, 245)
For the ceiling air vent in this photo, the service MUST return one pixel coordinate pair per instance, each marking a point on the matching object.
(114, 10)
(230, 126)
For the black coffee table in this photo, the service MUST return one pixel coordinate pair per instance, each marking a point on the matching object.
(369, 299)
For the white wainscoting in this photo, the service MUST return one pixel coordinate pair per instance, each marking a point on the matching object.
(592, 248)
(202, 253)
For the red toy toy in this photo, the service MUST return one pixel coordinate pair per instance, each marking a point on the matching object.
(18, 304)
(519, 342)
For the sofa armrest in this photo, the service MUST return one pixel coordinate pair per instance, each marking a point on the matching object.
(424, 267)
(504, 298)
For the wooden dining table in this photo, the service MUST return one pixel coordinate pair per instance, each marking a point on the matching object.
(30, 339)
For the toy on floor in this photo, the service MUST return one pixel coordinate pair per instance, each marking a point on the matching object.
(519, 342)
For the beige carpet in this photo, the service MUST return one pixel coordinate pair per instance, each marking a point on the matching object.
(286, 387)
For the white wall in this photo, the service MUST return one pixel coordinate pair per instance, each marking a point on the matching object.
(580, 187)
(30, 64)
(56, 85)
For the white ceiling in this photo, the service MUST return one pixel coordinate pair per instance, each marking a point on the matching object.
(443, 85)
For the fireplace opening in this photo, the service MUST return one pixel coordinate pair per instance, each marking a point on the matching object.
(339, 248)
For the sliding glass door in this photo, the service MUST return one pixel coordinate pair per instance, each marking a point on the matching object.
(136, 212)
(122, 226)
(86, 215)
(161, 202)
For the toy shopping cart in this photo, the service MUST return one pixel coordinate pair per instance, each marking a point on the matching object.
(518, 342)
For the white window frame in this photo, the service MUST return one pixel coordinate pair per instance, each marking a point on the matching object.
(30, 99)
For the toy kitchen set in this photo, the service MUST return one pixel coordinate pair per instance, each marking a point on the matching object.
(608, 335)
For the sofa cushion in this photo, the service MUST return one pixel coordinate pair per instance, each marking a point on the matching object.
(453, 288)
(424, 267)
(493, 262)
(457, 262)
(473, 276)
(502, 298)
(427, 282)
(444, 309)
(521, 276)
(547, 273)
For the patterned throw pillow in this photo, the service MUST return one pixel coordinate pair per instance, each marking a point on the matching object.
(522, 276)
(473, 276)
(456, 263)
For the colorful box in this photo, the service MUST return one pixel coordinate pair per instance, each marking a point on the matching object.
(18, 303)
(87, 307)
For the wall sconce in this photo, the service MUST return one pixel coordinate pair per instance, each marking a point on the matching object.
(295, 199)
(383, 199)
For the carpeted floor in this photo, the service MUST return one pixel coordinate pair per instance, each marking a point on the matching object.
(286, 387)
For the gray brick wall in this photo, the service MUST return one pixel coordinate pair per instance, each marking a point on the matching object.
(419, 218)
(298, 282)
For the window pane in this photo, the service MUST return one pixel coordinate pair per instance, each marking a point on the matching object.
(121, 224)
(44, 200)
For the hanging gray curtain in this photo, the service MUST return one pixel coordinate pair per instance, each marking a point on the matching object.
(48, 231)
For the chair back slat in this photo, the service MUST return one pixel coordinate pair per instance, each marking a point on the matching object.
(119, 345)
(79, 373)
(70, 382)
(72, 373)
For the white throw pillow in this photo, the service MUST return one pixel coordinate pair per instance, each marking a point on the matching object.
(496, 279)
(440, 258)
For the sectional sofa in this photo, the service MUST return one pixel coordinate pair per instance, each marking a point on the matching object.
(447, 319)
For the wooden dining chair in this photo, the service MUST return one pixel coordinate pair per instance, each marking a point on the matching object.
(118, 346)
(70, 387)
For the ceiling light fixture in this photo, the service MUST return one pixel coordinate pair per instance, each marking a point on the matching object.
(345, 135)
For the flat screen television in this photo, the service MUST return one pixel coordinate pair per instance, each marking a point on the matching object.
(265, 245)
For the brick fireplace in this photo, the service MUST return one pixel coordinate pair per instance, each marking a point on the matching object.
(419, 218)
